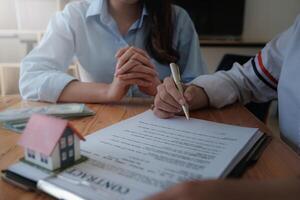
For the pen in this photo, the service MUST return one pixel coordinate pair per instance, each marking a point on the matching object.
(176, 77)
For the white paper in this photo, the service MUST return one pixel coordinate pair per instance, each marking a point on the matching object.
(30, 172)
(144, 155)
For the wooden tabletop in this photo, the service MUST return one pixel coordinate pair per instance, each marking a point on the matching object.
(277, 161)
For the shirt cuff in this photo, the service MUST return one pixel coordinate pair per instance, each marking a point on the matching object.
(219, 92)
(53, 87)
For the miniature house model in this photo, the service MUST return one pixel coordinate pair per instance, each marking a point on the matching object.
(50, 142)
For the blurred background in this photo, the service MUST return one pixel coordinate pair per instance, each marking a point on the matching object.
(229, 30)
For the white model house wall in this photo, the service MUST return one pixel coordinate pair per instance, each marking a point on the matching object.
(37, 159)
(76, 147)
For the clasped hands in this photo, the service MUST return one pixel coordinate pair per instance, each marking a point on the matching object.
(133, 67)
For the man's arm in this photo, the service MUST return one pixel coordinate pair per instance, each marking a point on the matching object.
(256, 81)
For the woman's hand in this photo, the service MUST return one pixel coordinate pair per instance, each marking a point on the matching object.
(135, 64)
(168, 101)
(118, 88)
(133, 68)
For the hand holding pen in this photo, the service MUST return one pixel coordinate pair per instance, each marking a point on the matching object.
(169, 101)
(177, 80)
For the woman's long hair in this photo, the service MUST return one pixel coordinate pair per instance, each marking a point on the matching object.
(161, 29)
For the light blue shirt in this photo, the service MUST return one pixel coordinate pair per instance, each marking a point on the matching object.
(86, 31)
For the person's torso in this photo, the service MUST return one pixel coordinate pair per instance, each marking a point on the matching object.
(98, 39)
(97, 48)
(289, 92)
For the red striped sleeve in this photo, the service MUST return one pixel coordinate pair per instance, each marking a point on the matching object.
(264, 70)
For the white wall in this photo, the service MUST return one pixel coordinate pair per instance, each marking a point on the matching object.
(11, 50)
(266, 18)
(263, 20)
(34, 14)
(7, 14)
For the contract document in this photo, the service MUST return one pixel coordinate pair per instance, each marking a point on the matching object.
(144, 155)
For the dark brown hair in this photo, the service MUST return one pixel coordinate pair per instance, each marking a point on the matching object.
(161, 28)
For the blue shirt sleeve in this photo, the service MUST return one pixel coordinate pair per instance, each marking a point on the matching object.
(43, 72)
(191, 61)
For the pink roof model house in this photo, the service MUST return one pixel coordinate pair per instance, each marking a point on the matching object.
(50, 142)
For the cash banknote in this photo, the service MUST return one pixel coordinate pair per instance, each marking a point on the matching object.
(16, 119)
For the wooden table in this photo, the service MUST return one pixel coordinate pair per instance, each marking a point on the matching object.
(278, 160)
